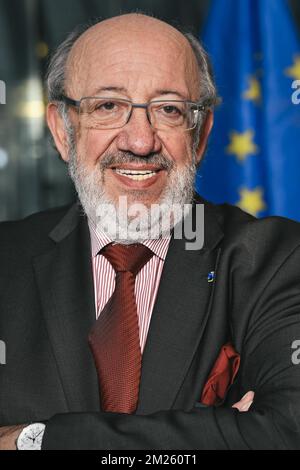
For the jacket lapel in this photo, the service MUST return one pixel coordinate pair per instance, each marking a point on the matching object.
(179, 318)
(64, 278)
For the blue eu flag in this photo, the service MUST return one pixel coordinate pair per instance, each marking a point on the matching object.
(253, 159)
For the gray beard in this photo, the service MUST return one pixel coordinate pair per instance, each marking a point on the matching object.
(127, 227)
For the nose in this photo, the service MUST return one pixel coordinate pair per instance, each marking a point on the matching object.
(137, 136)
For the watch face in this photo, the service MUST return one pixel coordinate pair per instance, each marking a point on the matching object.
(31, 437)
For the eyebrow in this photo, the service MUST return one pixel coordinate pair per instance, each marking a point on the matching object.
(110, 88)
(123, 90)
(170, 92)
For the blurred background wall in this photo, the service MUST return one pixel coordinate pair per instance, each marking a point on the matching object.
(32, 177)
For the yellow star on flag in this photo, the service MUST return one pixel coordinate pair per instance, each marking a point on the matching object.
(251, 201)
(294, 70)
(254, 91)
(242, 145)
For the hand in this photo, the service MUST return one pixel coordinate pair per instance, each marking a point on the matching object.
(9, 435)
(245, 403)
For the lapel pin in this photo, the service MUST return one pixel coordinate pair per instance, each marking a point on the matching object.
(211, 276)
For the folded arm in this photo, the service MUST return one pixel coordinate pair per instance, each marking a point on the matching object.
(267, 367)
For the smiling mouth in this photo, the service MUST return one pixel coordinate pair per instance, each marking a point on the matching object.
(136, 175)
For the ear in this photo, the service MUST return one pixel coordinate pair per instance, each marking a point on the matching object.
(204, 134)
(58, 131)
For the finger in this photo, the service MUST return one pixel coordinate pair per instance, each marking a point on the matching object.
(245, 403)
(248, 396)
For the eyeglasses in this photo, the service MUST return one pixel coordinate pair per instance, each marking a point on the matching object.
(113, 113)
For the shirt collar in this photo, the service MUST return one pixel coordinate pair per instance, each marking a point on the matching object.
(99, 240)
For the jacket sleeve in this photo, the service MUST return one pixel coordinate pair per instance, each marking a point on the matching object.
(269, 367)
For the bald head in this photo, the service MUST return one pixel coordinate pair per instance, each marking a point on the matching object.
(127, 25)
(77, 63)
(131, 48)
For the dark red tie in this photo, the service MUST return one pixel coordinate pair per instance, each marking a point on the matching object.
(114, 338)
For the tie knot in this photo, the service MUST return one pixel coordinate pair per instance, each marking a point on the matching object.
(127, 257)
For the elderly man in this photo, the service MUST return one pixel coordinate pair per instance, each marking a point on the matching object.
(119, 339)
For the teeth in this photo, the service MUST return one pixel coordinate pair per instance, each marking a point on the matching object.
(134, 172)
(136, 175)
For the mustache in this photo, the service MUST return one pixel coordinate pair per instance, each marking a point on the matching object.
(157, 159)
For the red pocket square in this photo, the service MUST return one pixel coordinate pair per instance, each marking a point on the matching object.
(222, 376)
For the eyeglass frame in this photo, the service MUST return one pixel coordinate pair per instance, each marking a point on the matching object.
(200, 106)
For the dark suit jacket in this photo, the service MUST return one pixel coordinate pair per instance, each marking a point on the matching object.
(47, 310)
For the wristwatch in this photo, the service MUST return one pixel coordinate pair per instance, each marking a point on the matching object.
(31, 437)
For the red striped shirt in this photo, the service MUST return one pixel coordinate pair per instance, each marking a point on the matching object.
(146, 282)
